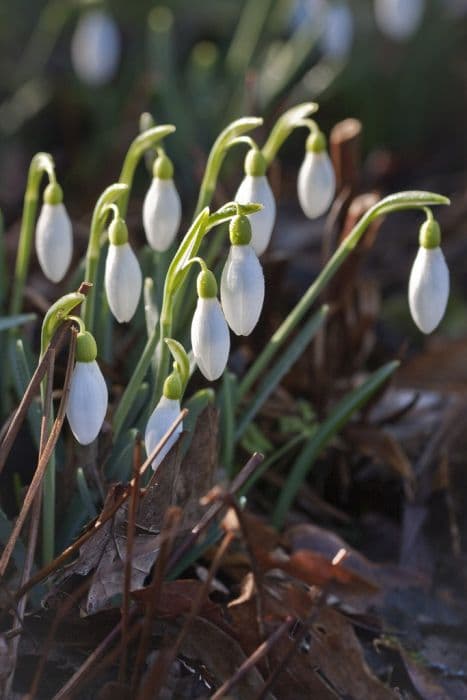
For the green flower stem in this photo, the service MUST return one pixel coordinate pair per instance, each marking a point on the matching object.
(99, 218)
(224, 141)
(56, 315)
(143, 142)
(41, 163)
(284, 126)
(396, 202)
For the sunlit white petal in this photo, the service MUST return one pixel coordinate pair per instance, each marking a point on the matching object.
(316, 184)
(242, 289)
(254, 188)
(399, 19)
(161, 419)
(210, 338)
(87, 402)
(428, 288)
(54, 241)
(123, 281)
(95, 47)
(162, 211)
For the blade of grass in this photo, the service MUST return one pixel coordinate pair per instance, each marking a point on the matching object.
(280, 369)
(333, 423)
(7, 322)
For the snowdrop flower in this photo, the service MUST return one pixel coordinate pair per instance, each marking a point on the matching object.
(54, 240)
(210, 337)
(162, 209)
(316, 185)
(123, 278)
(255, 188)
(88, 399)
(162, 418)
(399, 19)
(429, 280)
(242, 281)
(95, 48)
(338, 31)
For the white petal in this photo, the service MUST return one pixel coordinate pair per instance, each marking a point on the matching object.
(242, 289)
(428, 288)
(316, 184)
(123, 281)
(54, 241)
(87, 402)
(257, 189)
(399, 19)
(210, 338)
(338, 34)
(161, 419)
(95, 47)
(162, 211)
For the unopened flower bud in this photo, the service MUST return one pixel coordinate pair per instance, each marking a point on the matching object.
(95, 47)
(399, 19)
(88, 398)
(162, 209)
(210, 338)
(242, 281)
(162, 419)
(429, 280)
(54, 239)
(123, 278)
(255, 188)
(316, 184)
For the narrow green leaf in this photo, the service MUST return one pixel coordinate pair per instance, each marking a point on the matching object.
(333, 423)
(7, 322)
(280, 369)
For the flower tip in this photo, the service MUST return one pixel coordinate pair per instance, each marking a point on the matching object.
(428, 289)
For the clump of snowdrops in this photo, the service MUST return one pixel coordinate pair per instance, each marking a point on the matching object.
(190, 331)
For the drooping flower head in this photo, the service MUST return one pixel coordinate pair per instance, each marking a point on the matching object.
(88, 398)
(95, 47)
(210, 338)
(162, 209)
(429, 279)
(123, 278)
(255, 188)
(242, 281)
(54, 238)
(316, 184)
(399, 19)
(162, 418)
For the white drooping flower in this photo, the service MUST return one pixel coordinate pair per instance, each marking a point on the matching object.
(210, 338)
(429, 280)
(162, 209)
(242, 281)
(95, 47)
(338, 31)
(316, 184)
(160, 421)
(88, 398)
(123, 279)
(255, 188)
(399, 19)
(54, 239)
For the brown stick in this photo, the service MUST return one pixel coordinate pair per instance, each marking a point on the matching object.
(345, 145)
(41, 467)
(255, 657)
(132, 510)
(31, 391)
(161, 666)
(58, 561)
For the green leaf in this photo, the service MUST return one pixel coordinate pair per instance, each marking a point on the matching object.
(280, 369)
(326, 431)
(7, 322)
